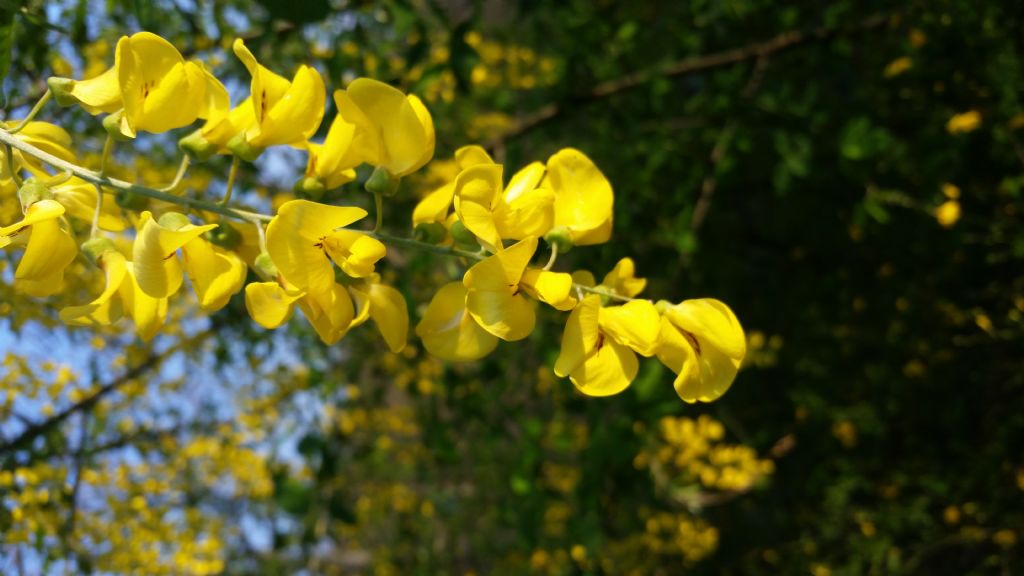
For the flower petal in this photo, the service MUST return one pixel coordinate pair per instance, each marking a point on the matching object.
(390, 313)
(583, 197)
(711, 321)
(554, 288)
(580, 336)
(105, 309)
(635, 324)
(448, 331)
(269, 304)
(608, 371)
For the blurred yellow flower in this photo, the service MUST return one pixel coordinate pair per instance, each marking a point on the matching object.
(948, 213)
(965, 122)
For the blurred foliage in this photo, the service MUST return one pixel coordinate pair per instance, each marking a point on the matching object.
(847, 175)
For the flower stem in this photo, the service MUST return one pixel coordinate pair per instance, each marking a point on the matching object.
(108, 148)
(232, 174)
(32, 113)
(378, 200)
(9, 154)
(554, 256)
(182, 169)
(96, 215)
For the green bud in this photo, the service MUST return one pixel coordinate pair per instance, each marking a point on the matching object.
(61, 89)
(197, 147)
(430, 232)
(33, 191)
(93, 248)
(464, 239)
(224, 236)
(239, 147)
(131, 201)
(560, 237)
(112, 124)
(173, 220)
(382, 182)
(309, 188)
(265, 266)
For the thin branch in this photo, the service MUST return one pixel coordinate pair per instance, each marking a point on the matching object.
(8, 139)
(757, 50)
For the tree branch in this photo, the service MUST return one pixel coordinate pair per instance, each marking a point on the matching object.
(757, 50)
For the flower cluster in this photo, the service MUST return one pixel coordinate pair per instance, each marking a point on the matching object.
(309, 256)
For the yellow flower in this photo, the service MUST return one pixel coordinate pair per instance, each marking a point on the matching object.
(285, 112)
(520, 211)
(49, 249)
(105, 309)
(398, 130)
(122, 295)
(217, 274)
(494, 297)
(897, 67)
(951, 191)
(434, 206)
(333, 163)
(331, 313)
(598, 344)
(156, 267)
(79, 199)
(385, 306)
(583, 197)
(622, 279)
(47, 137)
(553, 288)
(965, 122)
(449, 332)
(305, 237)
(948, 213)
(269, 304)
(150, 81)
(704, 344)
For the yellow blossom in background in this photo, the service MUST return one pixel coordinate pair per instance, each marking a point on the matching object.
(963, 123)
(897, 67)
(951, 191)
(948, 213)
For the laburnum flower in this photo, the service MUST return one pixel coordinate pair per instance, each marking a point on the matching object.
(79, 199)
(217, 274)
(449, 332)
(331, 313)
(599, 345)
(493, 295)
(333, 163)
(49, 138)
(284, 112)
(49, 249)
(621, 280)
(398, 132)
(304, 237)
(269, 304)
(434, 210)
(150, 81)
(385, 306)
(703, 343)
(157, 269)
(493, 212)
(121, 295)
(583, 198)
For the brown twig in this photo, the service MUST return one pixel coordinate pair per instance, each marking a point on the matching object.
(757, 50)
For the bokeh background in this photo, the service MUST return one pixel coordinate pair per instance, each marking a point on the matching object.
(846, 175)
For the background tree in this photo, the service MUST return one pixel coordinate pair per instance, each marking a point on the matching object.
(846, 175)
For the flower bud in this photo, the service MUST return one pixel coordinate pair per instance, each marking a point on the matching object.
(309, 188)
(93, 248)
(430, 232)
(241, 148)
(560, 237)
(112, 124)
(224, 236)
(173, 220)
(131, 201)
(382, 182)
(265, 266)
(33, 191)
(464, 239)
(61, 89)
(662, 306)
(197, 147)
